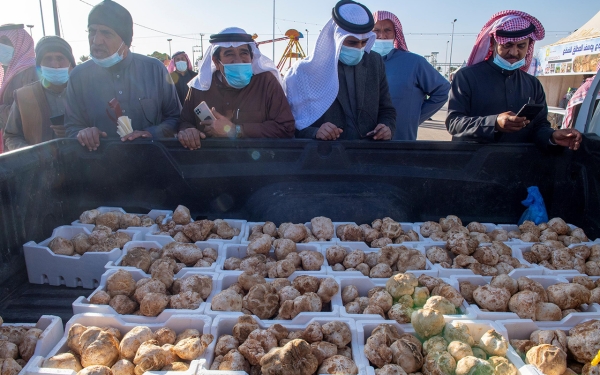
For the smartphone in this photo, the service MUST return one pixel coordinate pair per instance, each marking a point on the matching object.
(57, 120)
(530, 111)
(203, 112)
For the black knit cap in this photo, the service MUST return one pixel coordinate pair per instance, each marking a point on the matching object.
(53, 43)
(115, 16)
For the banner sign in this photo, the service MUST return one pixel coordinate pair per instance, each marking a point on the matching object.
(569, 58)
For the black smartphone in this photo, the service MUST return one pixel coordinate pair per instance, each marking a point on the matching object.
(530, 111)
(57, 120)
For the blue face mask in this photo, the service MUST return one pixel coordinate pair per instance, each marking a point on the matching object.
(383, 46)
(351, 56)
(238, 75)
(181, 66)
(111, 60)
(498, 60)
(6, 54)
(56, 76)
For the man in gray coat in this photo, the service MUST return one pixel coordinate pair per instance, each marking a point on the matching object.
(341, 91)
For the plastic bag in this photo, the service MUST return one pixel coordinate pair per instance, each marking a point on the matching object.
(536, 209)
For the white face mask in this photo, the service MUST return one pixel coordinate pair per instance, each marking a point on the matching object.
(6, 54)
(111, 60)
(383, 46)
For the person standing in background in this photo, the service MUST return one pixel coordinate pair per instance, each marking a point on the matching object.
(182, 72)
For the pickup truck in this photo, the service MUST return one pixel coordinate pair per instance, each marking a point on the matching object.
(49, 185)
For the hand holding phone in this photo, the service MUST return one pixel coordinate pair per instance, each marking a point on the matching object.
(204, 113)
(530, 111)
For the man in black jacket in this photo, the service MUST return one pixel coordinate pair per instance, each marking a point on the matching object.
(341, 91)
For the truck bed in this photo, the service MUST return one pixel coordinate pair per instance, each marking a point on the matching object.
(49, 185)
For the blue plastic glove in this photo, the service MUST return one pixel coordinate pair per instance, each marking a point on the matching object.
(536, 210)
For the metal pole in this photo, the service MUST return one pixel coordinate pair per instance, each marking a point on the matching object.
(56, 23)
(201, 46)
(451, 45)
(306, 41)
(446, 60)
(273, 30)
(169, 40)
(42, 16)
(30, 32)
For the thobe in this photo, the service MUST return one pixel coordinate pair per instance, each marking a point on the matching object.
(181, 83)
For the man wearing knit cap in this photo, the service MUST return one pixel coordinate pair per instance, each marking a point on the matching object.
(341, 91)
(37, 114)
(487, 94)
(136, 86)
(418, 91)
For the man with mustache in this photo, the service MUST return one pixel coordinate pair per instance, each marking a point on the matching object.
(487, 94)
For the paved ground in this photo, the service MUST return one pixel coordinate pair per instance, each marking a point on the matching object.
(435, 129)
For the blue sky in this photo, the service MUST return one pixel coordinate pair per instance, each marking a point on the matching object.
(427, 24)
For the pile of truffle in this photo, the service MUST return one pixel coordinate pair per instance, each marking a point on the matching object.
(17, 345)
(555, 229)
(150, 296)
(465, 253)
(181, 227)
(278, 298)
(380, 233)
(450, 225)
(555, 256)
(318, 349)
(403, 294)
(555, 353)
(384, 263)
(528, 299)
(322, 230)
(273, 259)
(102, 239)
(117, 220)
(178, 256)
(452, 350)
(104, 351)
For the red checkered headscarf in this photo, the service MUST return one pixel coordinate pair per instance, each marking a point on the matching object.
(578, 98)
(399, 41)
(23, 58)
(507, 20)
(171, 68)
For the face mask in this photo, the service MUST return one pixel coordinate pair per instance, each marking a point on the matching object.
(111, 60)
(6, 54)
(181, 66)
(498, 60)
(383, 46)
(56, 76)
(351, 56)
(238, 75)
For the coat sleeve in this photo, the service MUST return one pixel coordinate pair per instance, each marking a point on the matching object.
(13, 133)
(170, 107)
(458, 122)
(432, 83)
(76, 117)
(387, 112)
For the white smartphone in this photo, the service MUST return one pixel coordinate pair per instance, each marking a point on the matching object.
(203, 112)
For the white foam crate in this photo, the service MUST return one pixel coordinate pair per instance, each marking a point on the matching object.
(165, 239)
(223, 325)
(153, 244)
(82, 304)
(225, 281)
(152, 214)
(240, 251)
(429, 270)
(524, 247)
(476, 327)
(52, 332)
(511, 227)
(364, 284)
(417, 228)
(45, 267)
(334, 240)
(405, 227)
(532, 269)
(521, 329)
(546, 280)
(178, 323)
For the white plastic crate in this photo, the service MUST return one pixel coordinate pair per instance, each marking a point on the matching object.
(223, 325)
(165, 239)
(178, 323)
(476, 327)
(545, 280)
(52, 332)
(334, 239)
(429, 270)
(364, 284)
(405, 227)
(45, 267)
(82, 304)
(532, 269)
(240, 251)
(417, 228)
(153, 244)
(152, 214)
(524, 247)
(512, 227)
(225, 281)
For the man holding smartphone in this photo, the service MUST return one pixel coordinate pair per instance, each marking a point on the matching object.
(487, 95)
